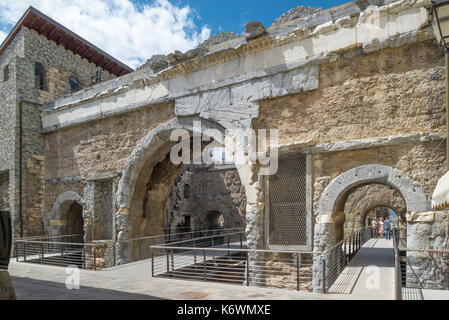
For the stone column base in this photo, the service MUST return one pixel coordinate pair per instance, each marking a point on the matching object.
(6, 289)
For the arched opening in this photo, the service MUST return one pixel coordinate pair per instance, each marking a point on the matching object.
(215, 220)
(365, 202)
(331, 217)
(145, 188)
(74, 85)
(75, 222)
(40, 76)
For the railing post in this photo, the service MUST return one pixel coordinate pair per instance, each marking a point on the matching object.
(84, 256)
(172, 260)
(324, 274)
(152, 263)
(297, 271)
(345, 254)
(168, 263)
(241, 241)
(25, 251)
(204, 265)
(42, 252)
(247, 269)
(95, 259)
(16, 247)
(228, 244)
(114, 254)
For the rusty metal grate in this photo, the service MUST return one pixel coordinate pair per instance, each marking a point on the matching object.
(288, 213)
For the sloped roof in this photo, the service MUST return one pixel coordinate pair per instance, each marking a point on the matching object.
(44, 25)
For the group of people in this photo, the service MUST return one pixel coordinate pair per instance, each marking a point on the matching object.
(381, 228)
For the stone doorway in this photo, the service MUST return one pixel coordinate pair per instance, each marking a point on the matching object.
(75, 222)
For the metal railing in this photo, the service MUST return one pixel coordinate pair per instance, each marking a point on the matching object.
(68, 250)
(419, 269)
(225, 259)
(337, 258)
(141, 247)
(65, 251)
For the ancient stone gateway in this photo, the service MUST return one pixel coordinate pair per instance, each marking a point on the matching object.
(356, 96)
(148, 178)
(330, 214)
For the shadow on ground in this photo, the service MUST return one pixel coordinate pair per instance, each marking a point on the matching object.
(31, 289)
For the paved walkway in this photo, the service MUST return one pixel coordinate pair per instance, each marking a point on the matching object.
(133, 281)
(371, 273)
(370, 276)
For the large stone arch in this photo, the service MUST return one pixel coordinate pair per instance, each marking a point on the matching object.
(330, 209)
(54, 220)
(151, 151)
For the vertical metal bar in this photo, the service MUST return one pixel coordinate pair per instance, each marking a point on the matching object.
(241, 241)
(16, 247)
(204, 264)
(95, 259)
(172, 260)
(84, 256)
(446, 56)
(25, 251)
(228, 244)
(345, 256)
(42, 252)
(152, 264)
(297, 271)
(247, 269)
(114, 254)
(324, 274)
(168, 263)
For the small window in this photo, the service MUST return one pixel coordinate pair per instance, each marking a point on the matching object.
(6, 74)
(186, 191)
(39, 76)
(74, 85)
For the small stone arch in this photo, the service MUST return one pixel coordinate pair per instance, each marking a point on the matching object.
(62, 204)
(330, 209)
(335, 194)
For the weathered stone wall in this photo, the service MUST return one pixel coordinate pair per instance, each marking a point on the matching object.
(423, 163)
(214, 192)
(391, 92)
(427, 230)
(8, 119)
(4, 191)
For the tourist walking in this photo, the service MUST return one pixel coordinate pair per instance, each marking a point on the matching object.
(387, 229)
(381, 228)
(374, 226)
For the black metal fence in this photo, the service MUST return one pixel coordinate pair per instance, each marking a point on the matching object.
(418, 270)
(70, 250)
(225, 259)
(337, 258)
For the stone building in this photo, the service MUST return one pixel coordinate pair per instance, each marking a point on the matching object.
(356, 94)
(39, 61)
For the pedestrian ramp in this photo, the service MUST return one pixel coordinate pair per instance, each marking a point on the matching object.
(370, 274)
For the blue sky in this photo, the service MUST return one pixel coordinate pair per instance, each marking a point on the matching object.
(233, 15)
(134, 30)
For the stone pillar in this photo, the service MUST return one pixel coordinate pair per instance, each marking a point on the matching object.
(427, 230)
(324, 239)
(6, 288)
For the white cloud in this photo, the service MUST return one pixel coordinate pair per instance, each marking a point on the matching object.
(2, 36)
(120, 28)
